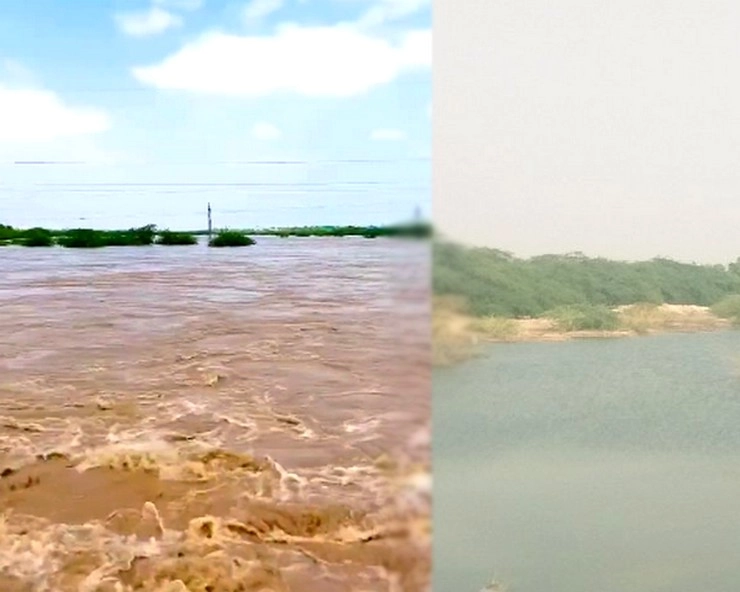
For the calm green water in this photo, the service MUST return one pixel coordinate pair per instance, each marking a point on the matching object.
(590, 466)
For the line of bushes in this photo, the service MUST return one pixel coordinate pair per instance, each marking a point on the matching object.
(78, 237)
(496, 283)
(414, 230)
(88, 238)
(148, 235)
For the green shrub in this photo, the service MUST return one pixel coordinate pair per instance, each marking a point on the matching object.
(133, 237)
(82, 238)
(87, 238)
(168, 237)
(37, 237)
(144, 235)
(414, 230)
(584, 317)
(231, 238)
(8, 233)
(728, 308)
(118, 238)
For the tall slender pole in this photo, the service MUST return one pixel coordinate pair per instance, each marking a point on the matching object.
(210, 224)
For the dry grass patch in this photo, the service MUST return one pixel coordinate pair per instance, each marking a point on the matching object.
(646, 318)
(496, 328)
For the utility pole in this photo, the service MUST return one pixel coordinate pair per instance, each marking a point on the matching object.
(210, 223)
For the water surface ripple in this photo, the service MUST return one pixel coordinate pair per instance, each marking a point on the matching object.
(596, 465)
(194, 419)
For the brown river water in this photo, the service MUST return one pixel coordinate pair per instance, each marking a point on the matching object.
(190, 419)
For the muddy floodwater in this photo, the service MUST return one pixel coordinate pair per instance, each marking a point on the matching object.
(192, 419)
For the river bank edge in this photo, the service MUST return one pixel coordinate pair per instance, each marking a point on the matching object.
(456, 336)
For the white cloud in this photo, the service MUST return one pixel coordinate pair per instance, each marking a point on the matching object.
(37, 116)
(429, 110)
(147, 22)
(334, 61)
(388, 135)
(259, 9)
(265, 131)
(180, 4)
(14, 73)
(384, 11)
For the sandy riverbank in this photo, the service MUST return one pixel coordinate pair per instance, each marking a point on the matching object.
(456, 335)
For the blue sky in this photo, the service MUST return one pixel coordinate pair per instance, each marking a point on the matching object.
(278, 112)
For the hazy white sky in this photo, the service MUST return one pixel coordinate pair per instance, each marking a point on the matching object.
(609, 127)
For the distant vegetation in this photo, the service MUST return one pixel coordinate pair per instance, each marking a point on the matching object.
(9, 235)
(728, 308)
(413, 230)
(88, 238)
(37, 237)
(231, 238)
(82, 238)
(78, 237)
(584, 317)
(482, 295)
(168, 237)
(577, 291)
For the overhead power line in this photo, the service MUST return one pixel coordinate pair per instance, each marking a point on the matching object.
(362, 161)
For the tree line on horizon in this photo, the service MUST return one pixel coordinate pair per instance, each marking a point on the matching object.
(150, 234)
(88, 238)
(492, 282)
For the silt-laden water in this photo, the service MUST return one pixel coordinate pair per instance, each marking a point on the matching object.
(192, 419)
